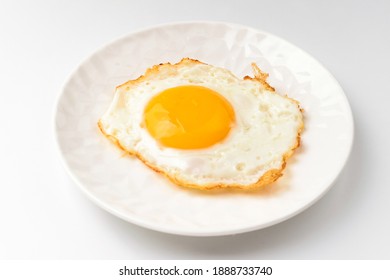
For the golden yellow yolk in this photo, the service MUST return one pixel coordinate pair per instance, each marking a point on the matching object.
(188, 117)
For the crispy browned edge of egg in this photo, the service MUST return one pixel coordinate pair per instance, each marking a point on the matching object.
(267, 178)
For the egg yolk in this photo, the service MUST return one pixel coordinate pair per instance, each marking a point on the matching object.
(188, 117)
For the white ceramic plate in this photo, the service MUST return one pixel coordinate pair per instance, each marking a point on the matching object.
(125, 187)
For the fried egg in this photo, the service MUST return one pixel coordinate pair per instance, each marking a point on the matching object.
(203, 127)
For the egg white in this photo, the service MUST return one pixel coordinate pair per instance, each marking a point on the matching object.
(266, 130)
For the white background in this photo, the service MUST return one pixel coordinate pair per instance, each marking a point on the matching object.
(43, 215)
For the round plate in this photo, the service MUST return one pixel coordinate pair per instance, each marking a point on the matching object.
(126, 188)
